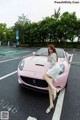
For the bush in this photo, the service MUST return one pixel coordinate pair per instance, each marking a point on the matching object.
(23, 45)
(57, 44)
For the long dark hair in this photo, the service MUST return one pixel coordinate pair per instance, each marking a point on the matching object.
(51, 46)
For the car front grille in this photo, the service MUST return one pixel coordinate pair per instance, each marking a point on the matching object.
(34, 82)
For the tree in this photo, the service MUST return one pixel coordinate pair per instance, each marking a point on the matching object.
(77, 29)
(31, 33)
(11, 35)
(3, 29)
(66, 27)
(21, 25)
(47, 29)
(56, 14)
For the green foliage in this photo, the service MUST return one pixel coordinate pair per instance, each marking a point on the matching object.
(3, 32)
(56, 14)
(56, 28)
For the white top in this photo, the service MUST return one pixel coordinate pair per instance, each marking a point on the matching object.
(52, 59)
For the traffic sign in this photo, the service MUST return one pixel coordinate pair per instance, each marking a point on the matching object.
(17, 36)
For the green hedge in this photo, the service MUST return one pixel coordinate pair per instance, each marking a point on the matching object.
(23, 45)
(57, 44)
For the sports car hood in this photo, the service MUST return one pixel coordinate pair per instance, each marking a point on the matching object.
(36, 64)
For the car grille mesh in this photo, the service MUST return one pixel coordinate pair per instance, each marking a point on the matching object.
(34, 82)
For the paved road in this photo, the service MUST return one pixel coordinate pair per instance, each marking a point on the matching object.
(22, 102)
(71, 105)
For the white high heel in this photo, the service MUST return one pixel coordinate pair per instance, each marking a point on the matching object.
(49, 110)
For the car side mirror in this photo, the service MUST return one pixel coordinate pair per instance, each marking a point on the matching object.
(34, 53)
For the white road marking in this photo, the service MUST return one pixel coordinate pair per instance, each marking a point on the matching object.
(31, 118)
(71, 58)
(14, 51)
(18, 52)
(8, 60)
(15, 58)
(59, 104)
(5, 76)
(75, 63)
(7, 52)
(57, 112)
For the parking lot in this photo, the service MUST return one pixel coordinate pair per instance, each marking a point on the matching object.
(22, 103)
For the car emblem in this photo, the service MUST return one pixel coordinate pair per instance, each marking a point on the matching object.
(34, 81)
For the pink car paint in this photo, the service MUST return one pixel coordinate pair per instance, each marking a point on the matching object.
(36, 66)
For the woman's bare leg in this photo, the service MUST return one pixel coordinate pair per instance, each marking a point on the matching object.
(50, 97)
(49, 81)
(50, 100)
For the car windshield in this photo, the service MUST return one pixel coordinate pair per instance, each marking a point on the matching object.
(44, 52)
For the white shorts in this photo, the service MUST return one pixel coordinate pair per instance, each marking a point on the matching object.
(54, 72)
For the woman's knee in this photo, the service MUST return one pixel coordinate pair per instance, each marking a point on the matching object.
(44, 76)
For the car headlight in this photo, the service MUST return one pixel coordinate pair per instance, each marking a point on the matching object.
(62, 68)
(21, 65)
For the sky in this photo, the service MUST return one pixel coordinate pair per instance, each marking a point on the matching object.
(34, 10)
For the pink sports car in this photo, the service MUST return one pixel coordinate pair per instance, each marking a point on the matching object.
(31, 70)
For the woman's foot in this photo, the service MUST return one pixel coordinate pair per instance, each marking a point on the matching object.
(49, 109)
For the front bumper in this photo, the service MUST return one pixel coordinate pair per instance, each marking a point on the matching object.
(35, 80)
(25, 78)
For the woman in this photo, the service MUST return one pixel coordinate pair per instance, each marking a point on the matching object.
(51, 75)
